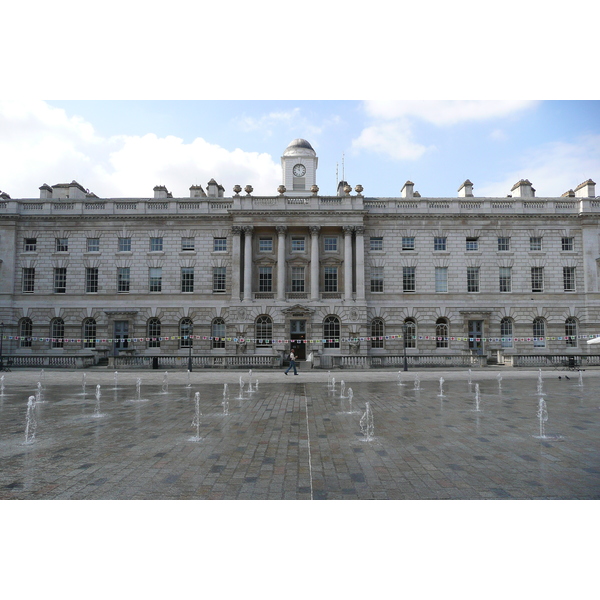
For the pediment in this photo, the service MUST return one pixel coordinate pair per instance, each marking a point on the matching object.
(298, 310)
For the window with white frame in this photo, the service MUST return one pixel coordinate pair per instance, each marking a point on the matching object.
(30, 245)
(439, 244)
(569, 279)
(298, 244)
(571, 332)
(441, 333)
(377, 333)
(330, 275)
(503, 244)
(408, 243)
(218, 333)
(188, 244)
(472, 244)
(61, 244)
(506, 332)
(219, 280)
(505, 279)
(123, 280)
(263, 331)
(537, 279)
(331, 332)
(265, 279)
(57, 333)
(409, 333)
(330, 243)
(567, 244)
(187, 279)
(156, 244)
(441, 280)
(154, 332)
(124, 244)
(220, 244)
(535, 244)
(376, 280)
(89, 333)
(186, 330)
(376, 244)
(409, 281)
(25, 332)
(265, 244)
(155, 279)
(28, 280)
(539, 332)
(472, 279)
(60, 280)
(91, 280)
(93, 244)
(297, 279)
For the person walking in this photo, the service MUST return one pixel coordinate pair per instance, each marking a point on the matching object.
(292, 364)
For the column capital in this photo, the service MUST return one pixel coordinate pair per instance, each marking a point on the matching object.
(359, 229)
(348, 229)
(236, 230)
(281, 229)
(314, 229)
(248, 228)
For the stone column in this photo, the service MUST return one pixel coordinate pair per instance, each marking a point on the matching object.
(314, 263)
(248, 263)
(236, 275)
(281, 229)
(360, 262)
(348, 262)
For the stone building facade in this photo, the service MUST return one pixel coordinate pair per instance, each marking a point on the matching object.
(337, 276)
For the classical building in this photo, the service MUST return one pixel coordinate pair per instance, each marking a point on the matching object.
(355, 280)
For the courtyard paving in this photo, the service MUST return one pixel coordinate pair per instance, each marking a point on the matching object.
(296, 438)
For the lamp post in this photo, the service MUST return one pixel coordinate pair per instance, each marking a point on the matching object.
(404, 330)
(190, 355)
(1, 336)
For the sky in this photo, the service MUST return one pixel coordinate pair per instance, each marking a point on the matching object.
(123, 148)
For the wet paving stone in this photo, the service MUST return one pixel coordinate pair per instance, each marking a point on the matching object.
(294, 441)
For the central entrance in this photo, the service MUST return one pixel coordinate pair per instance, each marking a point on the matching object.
(297, 337)
(121, 335)
(476, 336)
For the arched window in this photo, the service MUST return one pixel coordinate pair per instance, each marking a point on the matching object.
(571, 332)
(218, 333)
(154, 333)
(331, 332)
(539, 333)
(89, 333)
(25, 332)
(506, 332)
(409, 332)
(186, 330)
(441, 333)
(376, 333)
(263, 328)
(57, 333)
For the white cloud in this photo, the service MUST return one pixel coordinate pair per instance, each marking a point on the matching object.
(552, 168)
(445, 112)
(266, 122)
(40, 144)
(391, 138)
(498, 135)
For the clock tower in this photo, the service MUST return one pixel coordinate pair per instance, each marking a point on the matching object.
(299, 166)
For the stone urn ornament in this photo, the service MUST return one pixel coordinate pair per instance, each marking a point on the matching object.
(248, 189)
(347, 189)
(281, 189)
(314, 189)
(237, 189)
(359, 189)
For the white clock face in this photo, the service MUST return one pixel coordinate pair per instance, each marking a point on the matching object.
(299, 170)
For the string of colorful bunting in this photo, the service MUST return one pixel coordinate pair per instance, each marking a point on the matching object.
(311, 341)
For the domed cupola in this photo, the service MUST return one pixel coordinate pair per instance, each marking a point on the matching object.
(299, 165)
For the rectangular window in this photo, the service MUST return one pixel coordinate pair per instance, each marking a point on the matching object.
(330, 243)
(569, 279)
(91, 280)
(505, 279)
(93, 244)
(28, 280)
(156, 244)
(472, 244)
(60, 280)
(472, 279)
(188, 244)
(187, 279)
(331, 279)
(297, 279)
(376, 244)
(567, 244)
(298, 244)
(408, 243)
(537, 279)
(123, 274)
(503, 244)
(219, 279)
(535, 244)
(439, 244)
(219, 244)
(61, 244)
(125, 244)
(265, 279)
(441, 279)
(265, 244)
(409, 279)
(30, 245)
(376, 279)
(155, 279)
